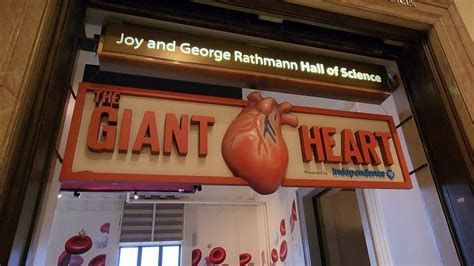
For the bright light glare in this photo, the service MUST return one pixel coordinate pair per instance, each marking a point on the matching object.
(170, 256)
(128, 256)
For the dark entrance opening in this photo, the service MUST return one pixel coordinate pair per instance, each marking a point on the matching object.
(341, 234)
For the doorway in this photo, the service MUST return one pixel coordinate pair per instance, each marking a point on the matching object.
(340, 230)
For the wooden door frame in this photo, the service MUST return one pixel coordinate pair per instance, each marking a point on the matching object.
(34, 152)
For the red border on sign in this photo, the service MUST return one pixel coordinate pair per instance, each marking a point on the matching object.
(67, 175)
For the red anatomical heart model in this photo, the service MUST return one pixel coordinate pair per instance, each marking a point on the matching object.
(253, 146)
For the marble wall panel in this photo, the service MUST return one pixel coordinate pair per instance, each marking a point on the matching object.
(22, 23)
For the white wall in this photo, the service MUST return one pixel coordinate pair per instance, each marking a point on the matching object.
(232, 227)
(413, 221)
(88, 212)
(278, 207)
(253, 229)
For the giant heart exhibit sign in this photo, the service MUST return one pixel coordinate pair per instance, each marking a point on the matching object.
(133, 135)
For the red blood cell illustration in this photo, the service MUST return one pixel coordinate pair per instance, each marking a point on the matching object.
(282, 227)
(78, 244)
(253, 146)
(76, 260)
(217, 255)
(245, 258)
(105, 228)
(293, 211)
(283, 250)
(274, 255)
(196, 256)
(64, 258)
(101, 241)
(98, 260)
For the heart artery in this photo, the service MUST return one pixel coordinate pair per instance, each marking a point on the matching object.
(253, 146)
